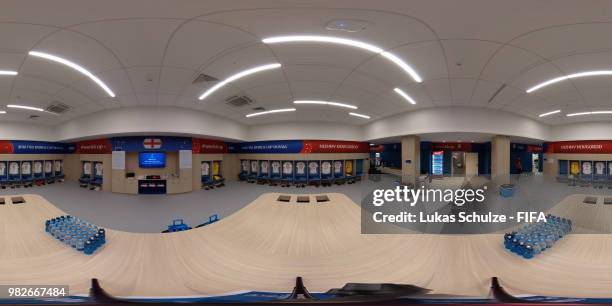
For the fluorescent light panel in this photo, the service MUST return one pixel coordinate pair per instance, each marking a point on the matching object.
(74, 66)
(8, 72)
(570, 76)
(589, 113)
(404, 95)
(347, 42)
(25, 107)
(237, 76)
(281, 110)
(325, 103)
(360, 115)
(2, 112)
(550, 113)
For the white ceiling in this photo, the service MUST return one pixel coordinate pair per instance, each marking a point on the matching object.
(149, 51)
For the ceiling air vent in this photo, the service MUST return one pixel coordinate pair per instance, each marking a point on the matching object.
(204, 78)
(58, 108)
(238, 101)
(259, 109)
(34, 117)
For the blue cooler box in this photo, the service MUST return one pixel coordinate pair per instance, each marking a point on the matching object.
(506, 190)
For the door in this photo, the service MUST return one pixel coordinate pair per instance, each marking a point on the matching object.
(471, 164)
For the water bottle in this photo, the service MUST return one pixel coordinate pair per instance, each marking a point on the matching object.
(528, 251)
(80, 246)
(88, 249)
(102, 234)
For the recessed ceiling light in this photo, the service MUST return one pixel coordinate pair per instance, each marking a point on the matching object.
(589, 113)
(404, 95)
(238, 76)
(25, 107)
(569, 76)
(281, 110)
(325, 103)
(8, 72)
(74, 66)
(360, 115)
(549, 113)
(347, 42)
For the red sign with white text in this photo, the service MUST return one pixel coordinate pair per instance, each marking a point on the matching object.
(335, 146)
(6, 147)
(452, 146)
(208, 146)
(581, 147)
(377, 149)
(95, 146)
(534, 149)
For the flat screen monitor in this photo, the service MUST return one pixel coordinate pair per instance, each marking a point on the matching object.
(152, 159)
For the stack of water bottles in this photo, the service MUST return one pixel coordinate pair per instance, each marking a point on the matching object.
(79, 234)
(535, 238)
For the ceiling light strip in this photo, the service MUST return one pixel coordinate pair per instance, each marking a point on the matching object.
(273, 111)
(237, 76)
(25, 107)
(347, 42)
(337, 104)
(76, 67)
(549, 113)
(8, 72)
(2, 112)
(570, 76)
(359, 115)
(404, 95)
(589, 113)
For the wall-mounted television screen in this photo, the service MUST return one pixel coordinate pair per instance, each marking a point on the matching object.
(152, 159)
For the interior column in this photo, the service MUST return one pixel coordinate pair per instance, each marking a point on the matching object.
(500, 158)
(411, 159)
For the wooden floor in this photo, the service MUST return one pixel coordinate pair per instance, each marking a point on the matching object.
(266, 244)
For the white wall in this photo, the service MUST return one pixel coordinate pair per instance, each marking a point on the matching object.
(582, 131)
(151, 120)
(173, 120)
(456, 119)
(23, 131)
(310, 130)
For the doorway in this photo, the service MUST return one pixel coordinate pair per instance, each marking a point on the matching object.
(535, 163)
(458, 164)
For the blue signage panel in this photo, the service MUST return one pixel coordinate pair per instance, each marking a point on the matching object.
(151, 143)
(281, 146)
(42, 147)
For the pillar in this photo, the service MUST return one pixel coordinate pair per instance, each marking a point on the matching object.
(411, 159)
(500, 157)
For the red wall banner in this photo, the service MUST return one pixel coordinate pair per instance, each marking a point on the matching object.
(335, 146)
(6, 147)
(452, 146)
(95, 146)
(581, 147)
(208, 146)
